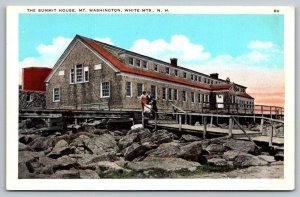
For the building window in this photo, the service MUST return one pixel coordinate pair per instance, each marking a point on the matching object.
(169, 94)
(155, 67)
(105, 89)
(184, 96)
(176, 72)
(144, 64)
(138, 63)
(204, 80)
(193, 97)
(56, 94)
(164, 93)
(167, 70)
(130, 61)
(72, 76)
(79, 73)
(175, 94)
(199, 98)
(192, 77)
(28, 97)
(199, 78)
(153, 91)
(195, 78)
(140, 88)
(184, 75)
(86, 74)
(128, 89)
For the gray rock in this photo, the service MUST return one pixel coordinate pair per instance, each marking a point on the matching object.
(42, 143)
(23, 171)
(144, 135)
(269, 159)
(231, 155)
(100, 131)
(191, 152)
(170, 149)
(215, 148)
(26, 139)
(128, 140)
(217, 162)
(189, 138)
(166, 164)
(66, 174)
(135, 150)
(88, 174)
(246, 160)
(65, 162)
(106, 167)
(101, 144)
(61, 148)
(23, 147)
(162, 136)
(241, 145)
(29, 156)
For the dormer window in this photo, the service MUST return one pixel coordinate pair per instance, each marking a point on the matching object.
(167, 70)
(130, 61)
(155, 67)
(138, 63)
(195, 78)
(192, 77)
(176, 72)
(199, 78)
(144, 64)
(184, 75)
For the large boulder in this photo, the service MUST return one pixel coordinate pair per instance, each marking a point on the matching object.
(66, 174)
(29, 156)
(231, 155)
(246, 160)
(101, 144)
(165, 164)
(42, 143)
(26, 139)
(242, 146)
(170, 149)
(191, 151)
(88, 174)
(65, 162)
(23, 171)
(215, 149)
(61, 148)
(217, 162)
(267, 158)
(189, 138)
(128, 140)
(144, 135)
(162, 136)
(135, 150)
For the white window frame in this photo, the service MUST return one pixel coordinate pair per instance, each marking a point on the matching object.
(184, 75)
(138, 91)
(30, 97)
(86, 70)
(130, 89)
(132, 61)
(55, 94)
(168, 68)
(82, 74)
(142, 62)
(137, 65)
(176, 72)
(170, 94)
(193, 97)
(101, 89)
(155, 68)
(155, 90)
(164, 91)
(184, 99)
(73, 76)
(175, 94)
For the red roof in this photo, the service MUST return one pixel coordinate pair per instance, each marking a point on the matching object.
(244, 94)
(126, 69)
(34, 77)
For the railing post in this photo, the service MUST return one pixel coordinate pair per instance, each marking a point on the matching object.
(190, 121)
(262, 111)
(185, 118)
(261, 125)
(204, 127)
(211, 121)
(230, 127)
(155, 114)
(270, 111)
(180, 122)
(271, 136)
(143, 118)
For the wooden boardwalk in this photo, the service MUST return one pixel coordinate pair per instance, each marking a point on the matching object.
(237, 133)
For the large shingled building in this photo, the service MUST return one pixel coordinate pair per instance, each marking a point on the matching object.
(91, 74)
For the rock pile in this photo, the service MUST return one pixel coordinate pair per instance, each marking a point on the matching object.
(90, 152)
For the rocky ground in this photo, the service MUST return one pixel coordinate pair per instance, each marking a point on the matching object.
(91, 151)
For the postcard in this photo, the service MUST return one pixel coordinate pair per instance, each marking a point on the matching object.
(150, 98)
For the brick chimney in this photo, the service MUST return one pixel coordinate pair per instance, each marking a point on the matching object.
(214, 75)
(173, 61)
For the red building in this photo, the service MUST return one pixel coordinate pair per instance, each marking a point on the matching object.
(34, 77)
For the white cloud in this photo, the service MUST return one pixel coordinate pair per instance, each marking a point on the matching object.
(260, 45)
(105, 40)
(179, 47)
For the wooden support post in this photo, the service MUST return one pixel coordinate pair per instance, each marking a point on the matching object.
(202, 120)
(261, 125)
(211, 121)
(271, 136)
(143, 118)
(230, 127)
(262, 110)
(155, 116)
(180, 122)
(271, 112)
(75, 121)
(185, 118)
(190, 121)
(204, 127)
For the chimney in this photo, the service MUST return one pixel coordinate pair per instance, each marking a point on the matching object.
(173, 61)
(228, 80)
(214, 75)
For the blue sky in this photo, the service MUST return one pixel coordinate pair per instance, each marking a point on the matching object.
(247, 48)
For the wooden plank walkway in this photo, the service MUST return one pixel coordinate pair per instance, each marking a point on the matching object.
(255, 135)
